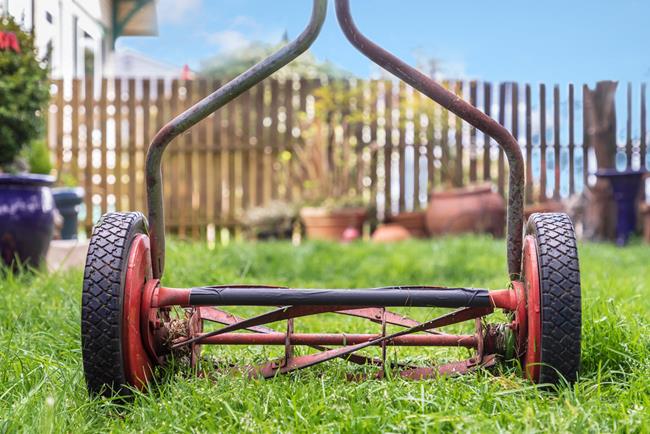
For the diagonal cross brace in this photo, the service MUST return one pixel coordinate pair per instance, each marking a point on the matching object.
(271, 369)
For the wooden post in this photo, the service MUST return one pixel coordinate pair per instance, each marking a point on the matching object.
(600, 127)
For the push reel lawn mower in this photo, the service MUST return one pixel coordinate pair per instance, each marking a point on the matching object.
(128, 327)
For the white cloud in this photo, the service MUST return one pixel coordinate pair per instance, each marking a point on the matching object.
(242, 31)
(229, 40)
(176, 11)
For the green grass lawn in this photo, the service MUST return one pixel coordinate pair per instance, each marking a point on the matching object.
(42, 386)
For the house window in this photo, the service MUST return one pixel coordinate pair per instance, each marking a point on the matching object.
(48, 17)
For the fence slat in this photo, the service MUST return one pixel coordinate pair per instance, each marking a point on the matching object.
(487, 140)
(174, 172)
(572, 181)
(61, 104)
(202, 165)
(146, 139)
(74, 131)
(556, 142)
(117, 119)
(103, 108)
(514, 118)
(473, 99)
(458, 129)
(502, 121)
(372, 101)
(628, 128)
(89, 118)
(585, 139)
(288, 139)
(162, 114)
(542, 142)
(217, 172)
(529, 146)
(446, 172)
(430, 111)
(388, 148)
(132, 145)
(643, 149)
(402, 147)
(417, 150)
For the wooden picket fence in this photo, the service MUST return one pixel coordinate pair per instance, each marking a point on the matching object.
(243, 156)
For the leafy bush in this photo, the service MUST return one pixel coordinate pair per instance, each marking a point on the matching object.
(38, 157)
(24, 92)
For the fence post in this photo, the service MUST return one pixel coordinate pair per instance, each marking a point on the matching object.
(600, 127)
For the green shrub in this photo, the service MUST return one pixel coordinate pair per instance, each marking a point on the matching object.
(38, 157)
(24, 93)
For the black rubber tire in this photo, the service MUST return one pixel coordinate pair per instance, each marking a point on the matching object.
(102, 300)
(560, 296)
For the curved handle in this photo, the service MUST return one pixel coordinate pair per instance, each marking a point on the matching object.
(464, 110)
(204, 108)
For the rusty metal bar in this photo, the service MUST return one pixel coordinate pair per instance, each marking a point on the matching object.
(204, 108)
(461, 108)
(379, 315)
(225, 318)
(278, 338)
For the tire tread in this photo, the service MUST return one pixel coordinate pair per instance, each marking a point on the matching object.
(560, 296)
(101, 305)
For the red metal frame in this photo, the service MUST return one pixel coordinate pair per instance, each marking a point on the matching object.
(148, 340)
(137, 363)
(533, 354)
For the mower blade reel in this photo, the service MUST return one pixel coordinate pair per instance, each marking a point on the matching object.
(223, 317)
(271, 369)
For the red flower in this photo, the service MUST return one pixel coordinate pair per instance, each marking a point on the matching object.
(9, 41)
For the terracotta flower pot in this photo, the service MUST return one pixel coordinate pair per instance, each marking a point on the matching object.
(548, 206)
(412, 221)
(324, 224)
(390, 233)
(469, 209)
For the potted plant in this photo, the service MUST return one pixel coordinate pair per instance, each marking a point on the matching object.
(332, 209)
(26, 204)
(475, 208)
(272, 221)
(68, 196)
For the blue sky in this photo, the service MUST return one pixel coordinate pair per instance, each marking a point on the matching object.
(549, 41)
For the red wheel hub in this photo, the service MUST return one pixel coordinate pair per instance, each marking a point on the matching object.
(138, 364)
(531, 346)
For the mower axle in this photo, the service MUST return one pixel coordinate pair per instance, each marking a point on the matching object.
(394, 296)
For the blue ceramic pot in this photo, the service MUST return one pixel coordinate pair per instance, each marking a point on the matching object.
(67, 200)
(26, 218)
(625, 186)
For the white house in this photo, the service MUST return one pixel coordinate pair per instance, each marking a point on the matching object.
(78, 36)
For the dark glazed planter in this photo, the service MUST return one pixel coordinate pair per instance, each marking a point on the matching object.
(625, 186)
(26, 218)
(67, 200)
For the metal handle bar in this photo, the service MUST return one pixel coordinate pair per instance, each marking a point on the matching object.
(204, 108)
(464, 110)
